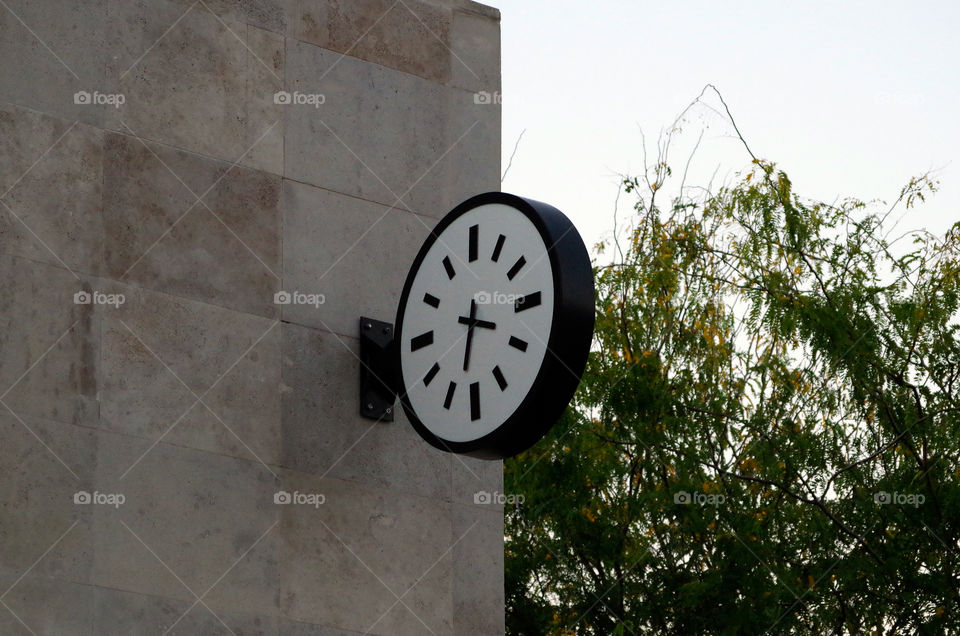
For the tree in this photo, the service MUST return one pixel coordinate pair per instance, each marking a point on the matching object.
(766, 437)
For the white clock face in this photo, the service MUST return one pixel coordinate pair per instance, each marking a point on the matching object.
(477, 322)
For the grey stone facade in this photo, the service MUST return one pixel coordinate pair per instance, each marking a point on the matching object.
(176, 156)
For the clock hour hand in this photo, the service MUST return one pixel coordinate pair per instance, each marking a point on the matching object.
(476, 322)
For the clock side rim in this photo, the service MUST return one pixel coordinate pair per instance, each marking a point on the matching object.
(567, 348)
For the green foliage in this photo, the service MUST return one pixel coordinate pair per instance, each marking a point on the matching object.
(766, 438)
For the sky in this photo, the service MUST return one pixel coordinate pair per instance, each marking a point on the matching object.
(851, 99)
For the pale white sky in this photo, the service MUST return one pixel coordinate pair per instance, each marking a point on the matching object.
(851, 99)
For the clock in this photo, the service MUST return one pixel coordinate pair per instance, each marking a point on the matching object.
(494, 326)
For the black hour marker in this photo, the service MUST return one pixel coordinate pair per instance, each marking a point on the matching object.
(527, 302)
(447, 265)
(475, 401)
(434, 370)
(421, 341)
(474, 230)
(431, 300)
(516, 267)
(449, 399)
(501, 381)
(517, 343)
(497, 248)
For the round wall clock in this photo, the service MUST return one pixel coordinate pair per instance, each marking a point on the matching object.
(494, 326)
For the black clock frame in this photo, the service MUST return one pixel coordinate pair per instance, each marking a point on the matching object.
(571, 332)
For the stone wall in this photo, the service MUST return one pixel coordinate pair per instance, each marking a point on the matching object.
(166, 168)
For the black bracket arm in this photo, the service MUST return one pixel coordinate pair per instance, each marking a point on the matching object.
(378, 369)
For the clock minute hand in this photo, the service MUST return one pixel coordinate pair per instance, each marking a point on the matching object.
(471, 322)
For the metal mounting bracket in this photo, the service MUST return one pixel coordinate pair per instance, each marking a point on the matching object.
(377, 370)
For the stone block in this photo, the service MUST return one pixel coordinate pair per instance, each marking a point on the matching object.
(43, 464)
(50, 343)
(410, 36)
(117, 612)
(48, 606)
(472, 476)
(387, 136)
(347, 561)
(193, 523)
(196, 82)
(51, 51)
(478, 593)
(272, 15)
(353, 252)
(50, 193)
(472, 164)
(161, 353)
(479, 8)
(287, 627)
(223, 249)
(475, 52)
